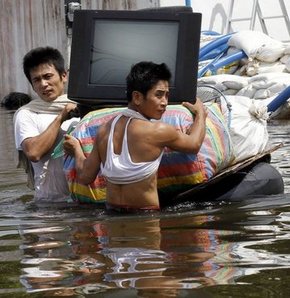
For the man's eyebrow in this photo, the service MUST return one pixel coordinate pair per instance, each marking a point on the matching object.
(158, 91)
(35, 78)
(43, 75)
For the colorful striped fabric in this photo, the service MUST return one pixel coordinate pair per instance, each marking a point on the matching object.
(86, 131)
(177, 171)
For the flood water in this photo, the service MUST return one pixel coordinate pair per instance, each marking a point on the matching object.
(239, 249)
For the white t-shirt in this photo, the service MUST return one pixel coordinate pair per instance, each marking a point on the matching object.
(50, 182)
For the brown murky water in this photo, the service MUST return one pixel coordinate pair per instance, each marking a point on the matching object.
(237, 249)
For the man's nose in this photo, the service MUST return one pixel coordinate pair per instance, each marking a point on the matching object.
(164, 100)
(43, 82)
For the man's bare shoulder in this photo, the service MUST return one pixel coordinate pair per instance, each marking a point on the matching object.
(104, 129)
(163, 131)
(162, 126)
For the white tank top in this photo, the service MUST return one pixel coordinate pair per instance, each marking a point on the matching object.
(120, 169)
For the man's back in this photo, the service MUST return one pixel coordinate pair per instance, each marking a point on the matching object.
(130, 161)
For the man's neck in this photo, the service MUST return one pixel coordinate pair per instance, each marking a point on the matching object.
(134, 114)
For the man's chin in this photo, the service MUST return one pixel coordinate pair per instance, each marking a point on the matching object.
(156, 118)
(49, 98)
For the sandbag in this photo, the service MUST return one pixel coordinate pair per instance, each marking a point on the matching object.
(257, 45)
(248, 126)
(287, 49)
(224, 81)
(287, 65)
(177, 171)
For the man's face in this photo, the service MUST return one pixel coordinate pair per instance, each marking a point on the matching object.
(47, 82)
(155, 102)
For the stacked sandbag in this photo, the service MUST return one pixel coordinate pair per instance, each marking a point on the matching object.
(228, 84)
(286, 58)
(177, 171)
(257, 45)
(266, 85)
(260, 86)
(264, 53)
(263, 75)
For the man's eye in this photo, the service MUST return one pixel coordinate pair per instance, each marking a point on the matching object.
(47, 77)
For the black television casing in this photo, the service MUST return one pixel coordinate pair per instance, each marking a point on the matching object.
(83, 91)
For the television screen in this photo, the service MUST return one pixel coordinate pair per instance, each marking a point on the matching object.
(117, 46)
(105, 44)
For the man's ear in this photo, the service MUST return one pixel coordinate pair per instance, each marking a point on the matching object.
(137, 97)
(64, 76)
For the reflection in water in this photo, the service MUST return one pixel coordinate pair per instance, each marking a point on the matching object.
(219, 250)
(166, 252)
(279, 132)
(123, 253)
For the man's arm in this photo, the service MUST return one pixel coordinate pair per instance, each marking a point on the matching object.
(191, 142)
(198, 128)
(36, 147)
(87, 168)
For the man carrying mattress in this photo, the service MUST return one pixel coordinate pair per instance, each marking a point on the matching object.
(128, 149)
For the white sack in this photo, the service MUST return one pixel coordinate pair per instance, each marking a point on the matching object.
(248, 91)
(248, 126)
(262, 94)
(266, 67)
(287, 65)
(277, 88)
(268, 80)
(287, 49)
(257, 45)
(224, 81)
(285, 58)
(230, 92)
(270, 77)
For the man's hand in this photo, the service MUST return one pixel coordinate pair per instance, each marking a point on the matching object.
(198, 108)
(71, 145)
(68, 111)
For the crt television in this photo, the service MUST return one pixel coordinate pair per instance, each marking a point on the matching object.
(106, 43)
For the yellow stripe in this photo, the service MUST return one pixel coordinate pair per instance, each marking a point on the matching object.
(190, 179)
(94, 194)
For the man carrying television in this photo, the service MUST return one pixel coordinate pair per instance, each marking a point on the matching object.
(41, 124)
(128, 149)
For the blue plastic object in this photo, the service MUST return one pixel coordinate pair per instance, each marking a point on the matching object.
(207, 67)
(214, 44)
(209, 32)
(279, 100)
(229, 59)
(219, 62)
(215, 52)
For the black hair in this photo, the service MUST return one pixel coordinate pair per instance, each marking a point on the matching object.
(15, 100)
(43, 55)
(144, 75)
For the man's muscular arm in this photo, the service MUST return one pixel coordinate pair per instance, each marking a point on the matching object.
(187, 143)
